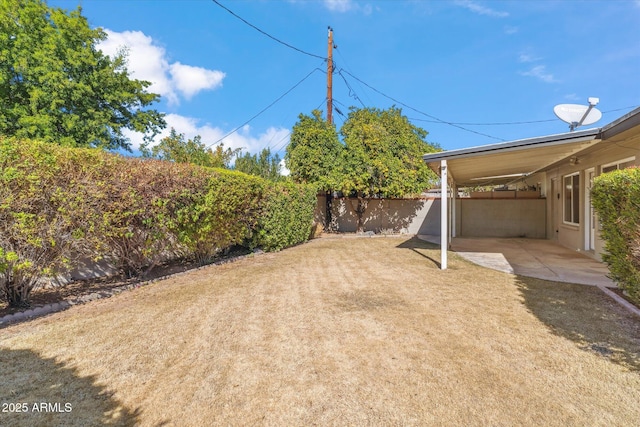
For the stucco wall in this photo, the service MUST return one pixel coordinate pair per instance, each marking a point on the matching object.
(393, 216)
(502, 218)
(574, 236)
(320, 214)
(474, 217)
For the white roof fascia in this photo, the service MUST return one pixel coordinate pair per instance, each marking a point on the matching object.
(550, 140)
(622, 124)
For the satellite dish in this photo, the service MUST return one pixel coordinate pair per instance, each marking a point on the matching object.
(578, 115)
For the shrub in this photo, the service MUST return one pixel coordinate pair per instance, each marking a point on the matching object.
(222, 213)
(58, 205)
(616, 199)
(42, 222)
(287, 215)
(136, 216)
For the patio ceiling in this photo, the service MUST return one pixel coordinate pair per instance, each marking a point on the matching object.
(501, 163)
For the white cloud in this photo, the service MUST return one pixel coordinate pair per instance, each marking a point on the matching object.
(481, 10)
(367, 9)
(148, 61)
(338, 5)
(525, 57)
(274, 138)
(190, 80)
(284, 171)
(572, 97)
(145, 60)
(508, 29)
(342, 6)
(540, 72)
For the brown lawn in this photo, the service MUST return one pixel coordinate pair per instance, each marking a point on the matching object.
(333, 332)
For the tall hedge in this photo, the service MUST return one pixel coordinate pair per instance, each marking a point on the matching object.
(224, 212)
(59, 205)
(135, 212)
(42, 223)
(616, 199)
(287, 215)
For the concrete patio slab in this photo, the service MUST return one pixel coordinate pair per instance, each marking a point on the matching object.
(542, 259)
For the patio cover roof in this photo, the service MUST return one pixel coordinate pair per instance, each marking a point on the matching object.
(504, 162)
(508, 161)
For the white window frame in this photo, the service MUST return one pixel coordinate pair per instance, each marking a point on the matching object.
(574, 204)
(617, 163)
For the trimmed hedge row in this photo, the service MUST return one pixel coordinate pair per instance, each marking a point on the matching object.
(59, 205)
(616, 199)
(286, 204)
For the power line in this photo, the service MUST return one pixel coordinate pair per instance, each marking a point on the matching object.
(488, 124)
(267, 34)
(352, 93)
(267, 107)
(517, 123)
(438, 120)
(281, 144)
(349, 69)
(620, 109)
(343, 105)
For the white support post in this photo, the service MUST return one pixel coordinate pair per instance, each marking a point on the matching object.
(452, 211)
(444, 215)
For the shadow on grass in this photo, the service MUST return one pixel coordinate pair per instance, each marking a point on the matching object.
(422, 248)
(586, 316)
(43, 392)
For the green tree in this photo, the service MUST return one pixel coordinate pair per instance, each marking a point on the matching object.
(264, 165)
(383, 157)
(55, 85)
(314, 151)
(176, 149)
(313, 155)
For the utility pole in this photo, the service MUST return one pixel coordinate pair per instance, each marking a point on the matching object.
(329, 195)
(330, 77)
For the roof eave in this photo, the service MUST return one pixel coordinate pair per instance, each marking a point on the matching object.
(624, 123)
(549, 140)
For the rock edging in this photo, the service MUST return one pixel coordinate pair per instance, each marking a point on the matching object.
(44, 310)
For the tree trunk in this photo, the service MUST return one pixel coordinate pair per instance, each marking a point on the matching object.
(328, 205)
(362, 207)
(18, 294)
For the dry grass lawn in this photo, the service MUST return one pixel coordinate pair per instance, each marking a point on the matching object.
(333, 332)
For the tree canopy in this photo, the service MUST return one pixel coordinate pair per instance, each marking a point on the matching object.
(55, 85)
(177, 149)
(314, 151)
(264, 165)
(383, 154)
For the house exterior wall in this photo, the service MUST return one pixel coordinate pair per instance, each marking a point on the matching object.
(573, 236)
(502, 218)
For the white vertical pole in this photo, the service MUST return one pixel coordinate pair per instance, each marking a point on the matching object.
(452, 211)
(444, 216)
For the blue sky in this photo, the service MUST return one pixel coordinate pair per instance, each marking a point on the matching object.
(472, 63)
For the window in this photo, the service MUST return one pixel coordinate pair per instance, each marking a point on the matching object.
(620, 164)
(572, 199)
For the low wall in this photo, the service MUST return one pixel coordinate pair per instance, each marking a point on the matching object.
(475, 217)
(388, 216)
(503, 218)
